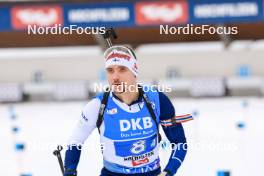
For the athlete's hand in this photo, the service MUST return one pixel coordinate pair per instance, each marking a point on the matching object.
(69, 172)
(163, 174)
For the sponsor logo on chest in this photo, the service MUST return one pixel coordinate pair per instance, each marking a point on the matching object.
(135, 124)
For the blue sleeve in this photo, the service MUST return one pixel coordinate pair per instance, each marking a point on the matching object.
(72, 157)
(175, 135)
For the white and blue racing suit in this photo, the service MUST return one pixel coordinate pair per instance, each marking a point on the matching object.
(129, 135)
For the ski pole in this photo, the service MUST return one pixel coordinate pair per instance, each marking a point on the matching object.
(58, 155)
(110, 32)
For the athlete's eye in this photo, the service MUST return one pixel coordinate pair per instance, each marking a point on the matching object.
(123, 69)
(109, 70)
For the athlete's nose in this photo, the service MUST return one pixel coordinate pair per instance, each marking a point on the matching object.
(115, 76)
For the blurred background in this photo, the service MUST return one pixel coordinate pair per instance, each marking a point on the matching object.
(46, 79)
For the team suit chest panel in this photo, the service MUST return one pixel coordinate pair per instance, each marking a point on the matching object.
(129, 136)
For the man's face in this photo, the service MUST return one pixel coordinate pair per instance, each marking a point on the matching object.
(120, 78)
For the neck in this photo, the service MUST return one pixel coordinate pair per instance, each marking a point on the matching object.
(128, 97)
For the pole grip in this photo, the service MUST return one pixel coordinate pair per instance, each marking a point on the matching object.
(110, 32)
(58, 155)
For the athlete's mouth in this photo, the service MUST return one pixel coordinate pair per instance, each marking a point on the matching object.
(119, 87)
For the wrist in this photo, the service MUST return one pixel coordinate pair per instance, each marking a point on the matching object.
(70, 172)
(169, 173)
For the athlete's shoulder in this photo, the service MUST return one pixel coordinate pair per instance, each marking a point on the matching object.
(91, 109)
(99, 95)
(167, 109)
(93, 103)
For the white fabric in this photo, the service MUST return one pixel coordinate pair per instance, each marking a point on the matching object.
(118, 57)
(85, 127)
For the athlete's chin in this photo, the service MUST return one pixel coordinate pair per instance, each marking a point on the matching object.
(119, 92)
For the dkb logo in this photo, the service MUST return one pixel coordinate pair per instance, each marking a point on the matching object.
(136, 124)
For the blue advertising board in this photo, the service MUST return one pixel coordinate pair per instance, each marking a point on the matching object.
(5, 19)
(107, 14)
(125, 14)
(226, 11)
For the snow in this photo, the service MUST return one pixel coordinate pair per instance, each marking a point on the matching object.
(215, 141)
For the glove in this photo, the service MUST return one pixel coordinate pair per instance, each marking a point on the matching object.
(165, 173)
(69, 172)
